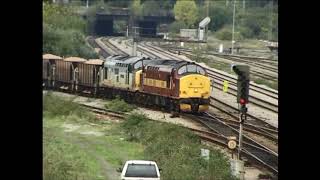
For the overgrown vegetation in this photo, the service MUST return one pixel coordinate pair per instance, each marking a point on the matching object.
(64, 32)
(255, 19)
(176, 150)
(64, 161)
(186, 12)
(57, 106)
(225, 33)
(119, 104)
(271, 84)
(61, 159)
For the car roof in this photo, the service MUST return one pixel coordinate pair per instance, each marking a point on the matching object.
(140, 162)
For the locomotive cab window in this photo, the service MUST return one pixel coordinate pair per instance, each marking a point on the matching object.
(138, 65)
(182, 70)
(191, 68)
(116, 71)
(105, 73)
(200, 70)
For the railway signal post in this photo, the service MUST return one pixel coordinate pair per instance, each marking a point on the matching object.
(242, 98)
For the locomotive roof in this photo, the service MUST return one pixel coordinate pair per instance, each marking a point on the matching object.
(126, 60)
(165, 64)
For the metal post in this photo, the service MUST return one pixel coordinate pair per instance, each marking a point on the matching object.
(127, 31)
(244, 5)
(271, 11)
(134, 41)
(87, 3)
(207, 28)
(234, 10)
(242, 118)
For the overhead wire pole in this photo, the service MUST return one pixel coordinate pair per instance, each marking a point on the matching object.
(207, 28)
(271, 12)
(234, 12)
(244, 5)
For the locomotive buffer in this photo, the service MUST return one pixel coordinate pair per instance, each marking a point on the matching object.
(243, 82)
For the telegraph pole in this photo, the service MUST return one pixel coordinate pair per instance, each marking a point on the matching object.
(234, 12)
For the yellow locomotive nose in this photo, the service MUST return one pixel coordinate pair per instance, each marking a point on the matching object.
(194, 86)
(194, 93)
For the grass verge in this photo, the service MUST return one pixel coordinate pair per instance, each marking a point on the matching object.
(176, 150)
(119, 104)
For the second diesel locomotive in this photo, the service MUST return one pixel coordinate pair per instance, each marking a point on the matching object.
(170, 84)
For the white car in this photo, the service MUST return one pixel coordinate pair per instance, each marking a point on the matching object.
(140, 170)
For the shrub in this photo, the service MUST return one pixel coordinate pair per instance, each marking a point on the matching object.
(175, 149)
(58, 106)
(64, 32)
(118, 104)
(64, 161)
(176, 26)
(224, 34)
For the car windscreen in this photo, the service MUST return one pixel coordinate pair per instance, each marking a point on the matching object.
(141, 170)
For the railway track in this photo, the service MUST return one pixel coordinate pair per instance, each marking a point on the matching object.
(114, 49)
(252, 58)
(232, 90)
(218, 133)
(259, 88)
(218, 79)
(254, 100)
(257, 73)
(251, 149)
(95, 45)
(265, 128)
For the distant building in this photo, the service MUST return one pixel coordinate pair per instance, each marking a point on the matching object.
(61, 1)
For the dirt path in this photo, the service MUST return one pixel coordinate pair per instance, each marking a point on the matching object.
(108, 172)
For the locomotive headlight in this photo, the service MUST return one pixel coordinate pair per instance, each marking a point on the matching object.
(195, 90)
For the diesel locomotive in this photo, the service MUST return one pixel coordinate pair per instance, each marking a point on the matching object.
(169, 84)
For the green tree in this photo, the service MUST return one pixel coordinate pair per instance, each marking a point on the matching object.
(150, 7)
(136, 8)
(64, 32)
(186, 11)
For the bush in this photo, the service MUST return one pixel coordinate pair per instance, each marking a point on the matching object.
(120, 26)
(64, 32)
(176, 26)
(64, 161)
(57, 106)
(66, 42)
(224, 34)
(176, 150)
(118, 104)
